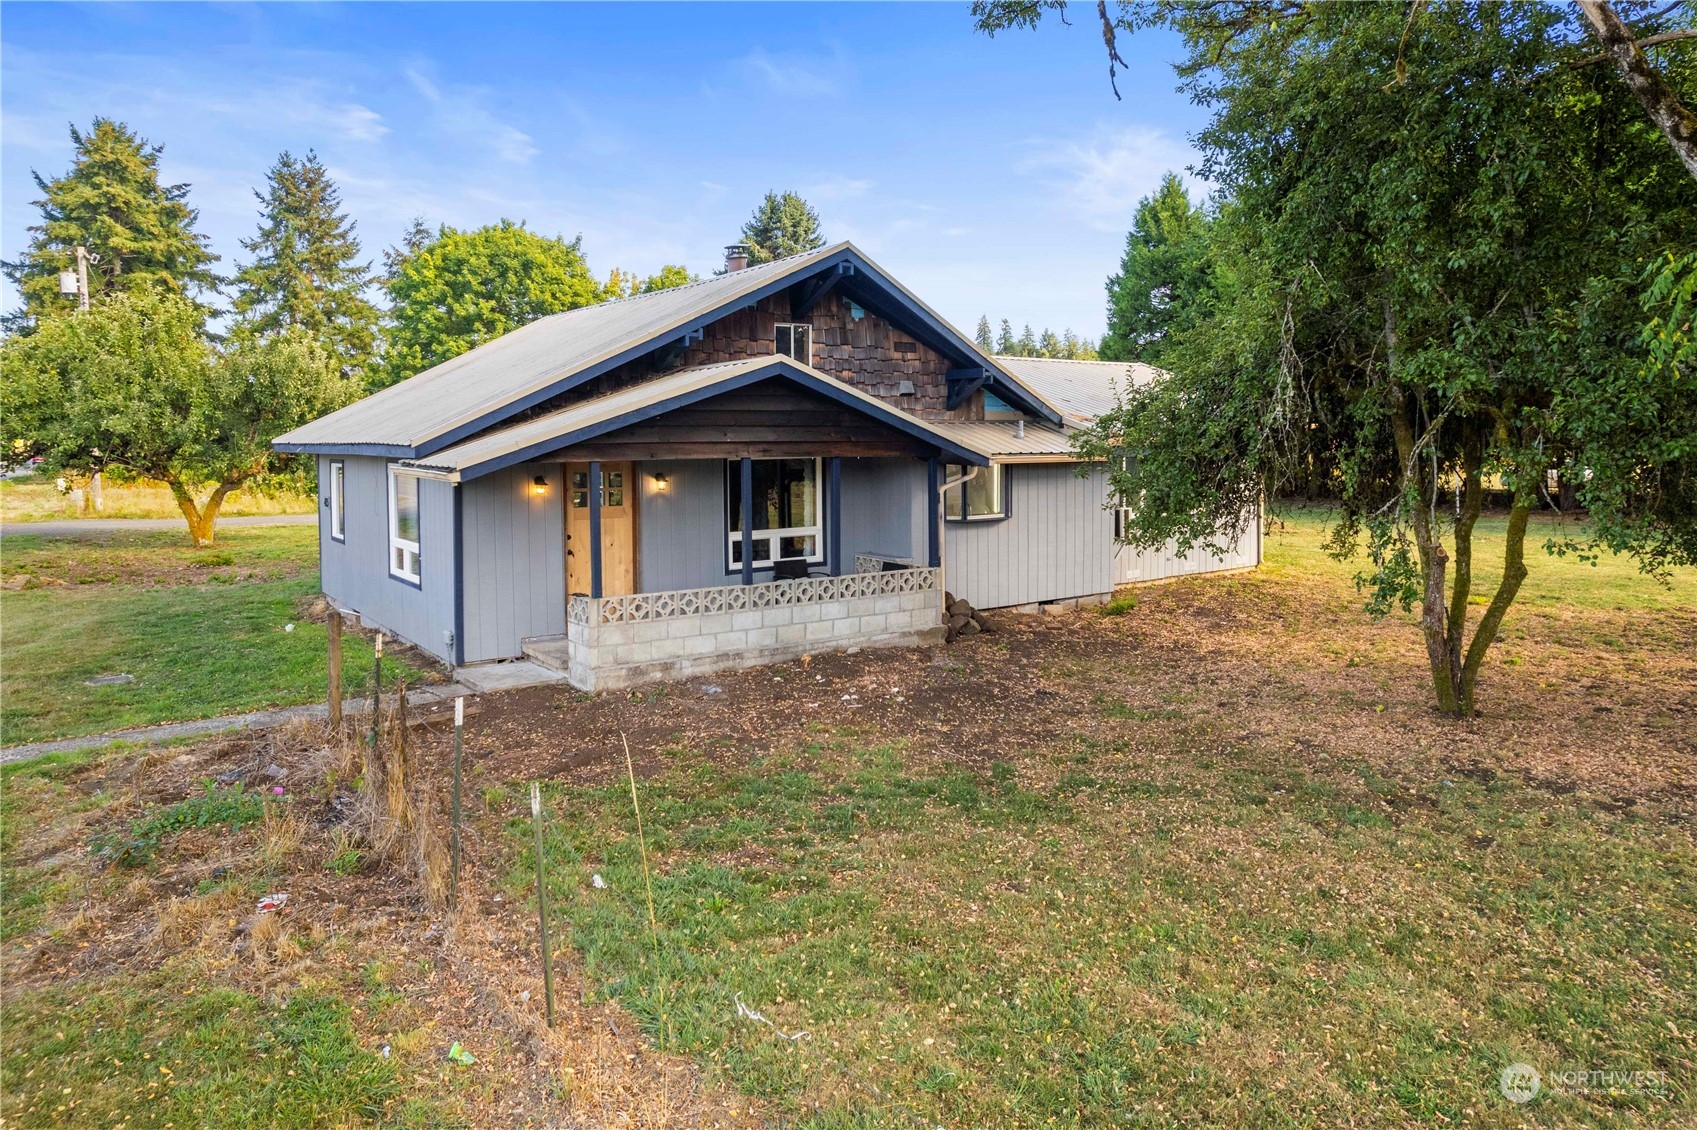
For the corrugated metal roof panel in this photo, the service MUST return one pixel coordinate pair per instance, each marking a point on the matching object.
(1079, 390)
(604, 413)
(531, 358)
(1001, 439)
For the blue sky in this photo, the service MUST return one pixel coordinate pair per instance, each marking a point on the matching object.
(991, 176)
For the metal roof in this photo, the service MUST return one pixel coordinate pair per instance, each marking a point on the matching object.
(518, 370)
(591, 418)
(1079, 390)
(1006, 442)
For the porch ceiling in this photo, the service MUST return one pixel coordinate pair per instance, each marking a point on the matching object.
(865, 425)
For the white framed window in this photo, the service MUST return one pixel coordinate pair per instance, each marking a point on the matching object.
(335, 497)
(980, 499)
(403, 525)
(786, 512)
(795, 340)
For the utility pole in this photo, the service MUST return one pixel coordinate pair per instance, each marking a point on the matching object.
(76, 282)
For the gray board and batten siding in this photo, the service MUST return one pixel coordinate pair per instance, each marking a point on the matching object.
(355, 569)
(1056, 543)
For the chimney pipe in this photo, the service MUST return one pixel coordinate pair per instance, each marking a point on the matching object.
(736, 257)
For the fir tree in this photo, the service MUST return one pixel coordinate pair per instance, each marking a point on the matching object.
(781, 226)
(982, 337)
(1027, 344)
(1049, 345)
(139, 232)
(1004, 340)
(305, 271)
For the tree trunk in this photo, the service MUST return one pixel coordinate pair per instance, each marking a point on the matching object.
(1514, 573)
(1677, 123)
(201, 519)
(1434, 560)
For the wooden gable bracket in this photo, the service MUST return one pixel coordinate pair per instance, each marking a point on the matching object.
(962, 383)
(807, 295)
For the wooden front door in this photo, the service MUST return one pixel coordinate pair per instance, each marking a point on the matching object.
(618, 529)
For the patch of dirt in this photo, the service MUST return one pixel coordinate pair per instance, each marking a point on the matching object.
(1197, 663)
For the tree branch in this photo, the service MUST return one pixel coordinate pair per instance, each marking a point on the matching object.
(1643, 44)
(1677, 123)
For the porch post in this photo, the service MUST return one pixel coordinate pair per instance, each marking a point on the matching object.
(747, 521)
(834, 516)
(933, 509)
(595, 530)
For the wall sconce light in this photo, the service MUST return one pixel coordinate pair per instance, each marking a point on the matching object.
(661, 482)
(539, 486)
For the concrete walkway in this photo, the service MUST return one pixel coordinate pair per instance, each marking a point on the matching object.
(66, 527)
(257, 720)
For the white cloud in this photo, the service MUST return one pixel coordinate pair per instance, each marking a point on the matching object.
(797, 75)
(1101, 178)
(462, 113)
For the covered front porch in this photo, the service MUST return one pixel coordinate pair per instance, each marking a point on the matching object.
(720, 520)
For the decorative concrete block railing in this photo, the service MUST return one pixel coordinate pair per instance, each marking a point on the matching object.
(619, 641)
(639, 607)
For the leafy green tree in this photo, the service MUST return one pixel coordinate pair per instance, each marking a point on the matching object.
(1075, 348)
(140, 232)
(623, 284)
(134, 383)
(306, 271)
(1049, 344)
(1431, 272)
(982, 336)
(783, 225)
(1163, 282)
(464, 288)
(667, 277)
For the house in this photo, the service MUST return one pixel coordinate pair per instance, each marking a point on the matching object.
(791, 457)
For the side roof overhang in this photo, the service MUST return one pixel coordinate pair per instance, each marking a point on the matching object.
(469, 394)
(591, 419)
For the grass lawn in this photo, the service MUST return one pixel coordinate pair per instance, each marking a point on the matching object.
(1211, 861)
(1155, 915)
(203, 631)
(36, 499)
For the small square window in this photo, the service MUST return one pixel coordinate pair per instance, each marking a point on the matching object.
(795, 340)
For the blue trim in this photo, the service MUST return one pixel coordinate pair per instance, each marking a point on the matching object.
(381, 450)
(933, 504)
(594, 529)
(418, 584)
(834, 516)
(747, 472)
(1007, 504)
(779, 367)
(459, 578)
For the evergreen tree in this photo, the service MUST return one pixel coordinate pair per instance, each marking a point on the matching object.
(1163, 285)
(1004, 340)
(418, 236)
(140, 232)
(781, 226)
(305, 271)
(982, 337)
(1049, 345)
(1026, 346)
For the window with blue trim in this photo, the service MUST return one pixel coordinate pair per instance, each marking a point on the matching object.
(979, 499)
